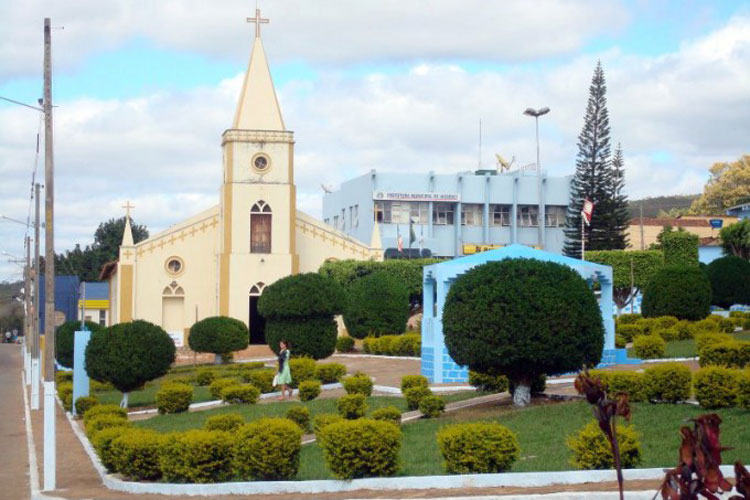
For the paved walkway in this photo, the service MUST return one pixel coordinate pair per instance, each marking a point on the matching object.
(14, 463)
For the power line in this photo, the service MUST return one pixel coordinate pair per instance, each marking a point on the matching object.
(21, 103)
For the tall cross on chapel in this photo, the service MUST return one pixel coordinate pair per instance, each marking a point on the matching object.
(127, 206)
(257, 20)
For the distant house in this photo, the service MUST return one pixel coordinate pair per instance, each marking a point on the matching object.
(741, 211)
(66, 299)
(94, 302)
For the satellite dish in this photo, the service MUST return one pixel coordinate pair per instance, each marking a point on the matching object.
(504, 164)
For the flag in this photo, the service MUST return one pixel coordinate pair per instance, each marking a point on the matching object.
(587, 211)
(412, 234)
(399, 240)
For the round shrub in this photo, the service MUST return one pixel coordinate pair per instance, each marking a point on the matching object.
(174, 398)
(488, 382)
(409, 381)
(65, 340)
(522, 318)
(300, 415)
(309, 390)
(352, 406)
(345, 344)
(479, 447)
(129, 354)
(196, 456)
(240, 393)
(377, 304)
(432, 406)
(647, 325)
(218, 335)
(732, 354)
(666, 321)
(703, 340)
(414, 396)
(629, 331)
(105, 421)
(623, 382)
(300, 308)
(65, 393)
(361, 448)
(668, 382)
(61, 377)
(267, 450)
(84, 403)
(726, 325)
(680, 291)
(649, 346)
(730, 281)
(218, 385)
(684, 330)
(387, 414)
(369, 344)
(302, 369)
(743, 389)
(323, 420)
(358, 384)
(668, 334)
(204, 376)
(627, 319)
(620, 341)
(262, 379)
(135, 454)
(591, 449)
(408, 344)
(102, 443)
(227, 423)
(98, 410)
(329, 373)
(716, 387)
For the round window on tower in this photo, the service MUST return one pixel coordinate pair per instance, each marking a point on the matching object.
(261, 163)
(174, 266)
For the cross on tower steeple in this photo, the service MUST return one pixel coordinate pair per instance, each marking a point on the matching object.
(127, 206)
(257, 20)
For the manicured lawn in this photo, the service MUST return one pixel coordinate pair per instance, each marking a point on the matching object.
(686, 348)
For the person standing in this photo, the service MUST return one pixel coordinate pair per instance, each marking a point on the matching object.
(284, 375)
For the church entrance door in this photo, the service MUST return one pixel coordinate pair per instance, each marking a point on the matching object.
(257, 323)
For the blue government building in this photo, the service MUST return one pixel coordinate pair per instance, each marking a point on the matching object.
(452, 214)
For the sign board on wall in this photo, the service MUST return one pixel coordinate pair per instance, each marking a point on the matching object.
(412, 196)
(472, 249)
(178, 337)
(716, 223)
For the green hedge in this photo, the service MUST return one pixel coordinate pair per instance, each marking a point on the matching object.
(414, 396)
(329, 373)
(730, 281)
(377, 304)
(591, 450)
(618, 382)
(649, 346)
(361, 448)
(479, 447)
(716, 387)
(432, 406)
(300, 415)
(731, 353)
(488, 382)
(135, 454)
(358, 384)
(303, 369)
(218, 385)
(262, 379)
(409, 381)
(668, 382)
(322, 420)
(352, 406)
(267, 450)
(219, 335)
(388, 414)
(228, 422)
(680, 291)
(408, 344)
(197, 456)
(309, 390)
(240, 393)
(345, 344)
(680, 248)
(174, 398)
(65, 340)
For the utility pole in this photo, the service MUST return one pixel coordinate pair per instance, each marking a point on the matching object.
(36, 365)
(27, 303)
(49, 272)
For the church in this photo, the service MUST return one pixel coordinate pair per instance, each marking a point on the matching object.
(218, 262)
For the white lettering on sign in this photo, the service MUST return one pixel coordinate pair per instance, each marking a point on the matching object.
(399, 196)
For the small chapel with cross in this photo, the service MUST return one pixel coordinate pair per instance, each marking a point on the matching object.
(218, 262)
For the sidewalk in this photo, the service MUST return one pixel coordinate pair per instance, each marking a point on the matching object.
(14, 463)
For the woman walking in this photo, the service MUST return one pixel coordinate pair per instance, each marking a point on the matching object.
(284, 376)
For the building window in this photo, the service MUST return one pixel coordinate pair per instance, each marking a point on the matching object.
(528, 216)
(174, 266)
(343, 219)
(103, 317)
(554, 216)
(419, 212)
(379, 213)
(356, 216)
(471, 214)
(260, 228)
(336, 221)
(442, 213)
(327, 221)
(392, 212)
(500, 215)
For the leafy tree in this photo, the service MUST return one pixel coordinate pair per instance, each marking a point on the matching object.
(631, 271)
(377, 304)
(596, 179)
(735, 239)
(730, 281)
(219, 335)
(522, 318)
(128, 355)
(728, 185)
(680, 291)
(65, 340)
(680, 247)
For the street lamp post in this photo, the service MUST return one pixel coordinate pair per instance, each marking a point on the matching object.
(536, 113)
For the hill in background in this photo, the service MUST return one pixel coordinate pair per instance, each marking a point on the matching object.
(652, 207)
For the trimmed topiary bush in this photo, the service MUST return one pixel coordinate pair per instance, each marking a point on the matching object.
(302, 369)
(241, 394)
(228, 422)
(135, 454)
(627, 319)
(730, 281)
(623, 382)
(414, 396)
(300, 308)
(300, 415)
(267, 450)
(649, 346)
(61, 377)
(174, 398)
(409, 381)
(647, 325)
(309, 390)
(432, 406)
(65, 393)
(352, 406)
(377, 304)
(743, 389)
(629, 331)
(329, 373)
(487, 382)
(218, 335)
(262, 379)
(732, 354)
(218, 385)
(716, 387)
(361, 448)
(65, 340)
(345, 344)
(668, 334)
(387, 414)
(703, 340)
(683, 292)
(129, 354)
(680, 248)
(197, 456)
(102, 442)
(408, 344)
(85, 403)
(324, 419)
(591, 449)
(104, 421)
(478, 448)
(103, 410)
(668, 382)
(522, 318)
(204, 376)
(358, 384)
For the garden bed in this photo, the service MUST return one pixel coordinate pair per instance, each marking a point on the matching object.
(686, 348)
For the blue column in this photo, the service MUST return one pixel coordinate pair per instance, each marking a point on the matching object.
(486, 215)
(439, 340)
(514, 213)
(80, 377)
(605, 304)
(428, 330)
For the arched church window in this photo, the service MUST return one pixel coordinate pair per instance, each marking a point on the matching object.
(257, 288)
(260, 228)
(173, 289)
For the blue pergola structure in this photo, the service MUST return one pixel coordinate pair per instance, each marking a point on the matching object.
(437, 364)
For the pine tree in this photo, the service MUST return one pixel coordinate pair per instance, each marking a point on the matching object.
(618, 214)
(594, 179)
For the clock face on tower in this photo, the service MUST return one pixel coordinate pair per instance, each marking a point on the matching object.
(261, 163)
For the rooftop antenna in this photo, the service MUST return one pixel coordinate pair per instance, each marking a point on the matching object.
(480, 145)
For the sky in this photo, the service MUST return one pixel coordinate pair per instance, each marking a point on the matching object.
(145, 89)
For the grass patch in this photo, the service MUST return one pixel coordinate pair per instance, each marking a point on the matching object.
(686, 348)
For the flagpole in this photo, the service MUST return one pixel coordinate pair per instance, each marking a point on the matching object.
(583, 235)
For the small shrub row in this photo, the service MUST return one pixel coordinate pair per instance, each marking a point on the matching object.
(487, 382)
(408, 344)
(722, 387)
(729, 353)
(174, 397)
(668, 382)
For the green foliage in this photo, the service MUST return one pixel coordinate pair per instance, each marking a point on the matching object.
(300, 415)
(649, 346)
(197, 456)
(228, 422)
(361, 448)
(219, 335)
(267, 449)
(96, 423)
(65, 393)
(668, 334)
(129, 354)
(262, 379)
(377, 304)
(103, 410)
(731, 353)
(313, 337)
(102, 442)
(218, 385)
(681, 291)
(735, 239)
(488, 382)
(432, 406)
(62, 377)
(538, 384)
(329, 373)
(409, 381)
(623, 382)
(387, 414)
(345, 344)
(627, 318)
(478, 447)
(620, 341)
(309, 390)
(743, 389)
(135, 454)
(323, 420)
(414, 396)
(716, 387)
(84, 403)
(703, 340)
(352, 406)
(358, 384)
(240, 393)
(666, 322)
(174, 398)
(303, 369)
(631, 270)
(629, 331)
(65, 339)
(408, 344)
(591, 448)
(680, 248)
(726, 325)
(204, 376)
(647, 325)
(684, 330)
(730, 281)
(522, 318)
(668, 382)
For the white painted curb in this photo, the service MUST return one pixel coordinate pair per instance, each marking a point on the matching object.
(669, 360)
(376, 356)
